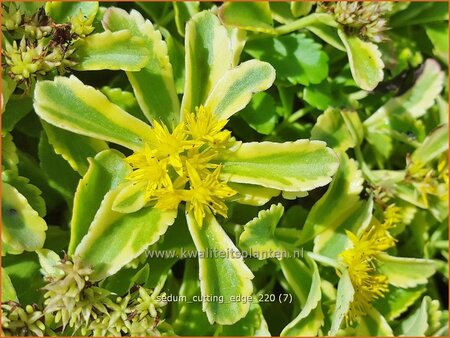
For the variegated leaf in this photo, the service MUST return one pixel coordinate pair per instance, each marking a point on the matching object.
(227, 277)
(291, 166)
(69, 104)
(237, 86)
(158, 101)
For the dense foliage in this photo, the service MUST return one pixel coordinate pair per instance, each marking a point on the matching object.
(237, 168)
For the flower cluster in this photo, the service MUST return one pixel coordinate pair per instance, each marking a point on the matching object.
(73, 301)
(36, 45)
(179, 165)
(360, 262)
(429, 181)
(363, 18)
(18, 321)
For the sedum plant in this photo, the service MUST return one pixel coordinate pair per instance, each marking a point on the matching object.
(186, 156)
(234, 169)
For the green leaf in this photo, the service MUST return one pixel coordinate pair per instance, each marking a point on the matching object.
(433, 146)
(69, 104)
(61, 12)
(115, 239)
(8, 291)
(56, 171)
(414, 102)
(417, 323)
(10, 158)
(397, 301)
(365, 61)
(8, 87)
(295, 58)
(259, 234)
(344, 297)
(405, 272)
(106, 171)
(208, 58)
(254, 324)
(338, 201)
(111, 50)
(158, 101)
(300, 8)
(325, 95)
(74, 148)
(23, 270)
(22, 228)
(438, 32)
(49, 261)
(290, 166)
(252, 194)
(327, 33)
(310, 318)
(420, 13)
(340, 129)
(373, 324)
(227, 277)
(183, 12)
(17, 108)
(234, 90)
(252, 16)
(28, 190)
(131, 198)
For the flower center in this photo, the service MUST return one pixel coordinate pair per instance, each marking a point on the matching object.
(179, 165)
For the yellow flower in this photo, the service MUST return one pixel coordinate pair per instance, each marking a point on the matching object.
(207, 194)
(147, 169)
(179, 166)
(204, 127)
(359, 260)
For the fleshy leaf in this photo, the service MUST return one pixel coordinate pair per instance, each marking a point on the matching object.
(28, 190)
(290, 166)
(208, 57)
(300, 8)
(220, 277)
(253, 324)
(365, 61)
(10, 158)
(8, 291)
(261, 113)
(295, 58)
(260, 234)
(373, 324)
(339, 129)
(74, 148)
(61, 12)
(69, 104)
(344, 297)
(235, 89)
(8, 87)
(433, 145)
(183, 12)
(405, 272)
(49, 261)
(252, 16)
(252, 194)
(397, 301)
(115, 239)
(158, 101)
(417, 323)
(22, 228)
(111, 50)
(338, 204)
(106, 171)
(131, 198)
(310, 318)
(415, 102)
